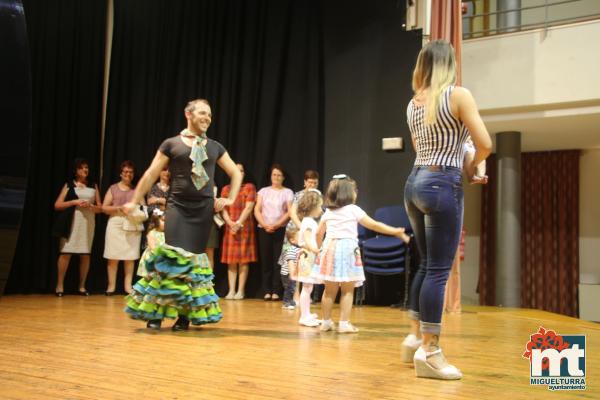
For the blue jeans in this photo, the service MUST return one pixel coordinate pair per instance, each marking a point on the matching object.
(433, 197)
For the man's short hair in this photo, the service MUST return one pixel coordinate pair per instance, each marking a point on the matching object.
(191, 105)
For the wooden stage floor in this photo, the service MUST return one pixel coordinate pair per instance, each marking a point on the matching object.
(87, 348)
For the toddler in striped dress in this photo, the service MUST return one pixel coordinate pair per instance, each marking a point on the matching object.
(288, 262)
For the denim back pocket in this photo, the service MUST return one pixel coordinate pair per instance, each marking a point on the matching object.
(430, 189)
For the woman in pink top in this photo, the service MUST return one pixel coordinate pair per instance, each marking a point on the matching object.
(121, 242)
(272, 209)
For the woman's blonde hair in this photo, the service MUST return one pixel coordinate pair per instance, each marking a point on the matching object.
(436, 70)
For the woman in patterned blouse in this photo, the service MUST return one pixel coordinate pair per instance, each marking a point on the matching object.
(238, 248)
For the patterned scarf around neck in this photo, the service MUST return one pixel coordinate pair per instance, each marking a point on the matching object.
(198, 156)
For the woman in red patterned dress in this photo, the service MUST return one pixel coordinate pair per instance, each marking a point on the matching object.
(239, 240)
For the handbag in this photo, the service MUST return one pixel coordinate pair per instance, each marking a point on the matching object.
(218, 220)
(63, 219)
(134, 222)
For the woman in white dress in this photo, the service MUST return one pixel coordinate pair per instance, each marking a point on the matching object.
(81, 200)
(123, 239)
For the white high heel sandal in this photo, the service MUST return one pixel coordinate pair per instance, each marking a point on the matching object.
(425, 370)
(409, 347)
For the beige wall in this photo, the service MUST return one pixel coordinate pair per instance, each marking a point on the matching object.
(534, 67)
(577, 9)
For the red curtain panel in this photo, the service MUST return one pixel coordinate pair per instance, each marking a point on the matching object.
(549, 232)
(446, 24)
(487, 244)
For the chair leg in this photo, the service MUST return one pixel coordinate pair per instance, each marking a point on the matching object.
(360, 291)
(363, 293)
(359, 295)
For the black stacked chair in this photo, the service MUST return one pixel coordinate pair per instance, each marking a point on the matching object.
(387, 255)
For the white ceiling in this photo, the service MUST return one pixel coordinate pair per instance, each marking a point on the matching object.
(550, 130)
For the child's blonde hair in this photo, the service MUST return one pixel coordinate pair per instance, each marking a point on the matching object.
(291, 231)
(310, 201)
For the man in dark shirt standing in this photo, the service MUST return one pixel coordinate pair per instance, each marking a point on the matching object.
(182, 265)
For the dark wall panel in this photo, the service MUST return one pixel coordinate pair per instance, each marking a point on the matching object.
(368, 71)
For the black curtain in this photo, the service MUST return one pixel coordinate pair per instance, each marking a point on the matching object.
(66, 40)
(259, 64)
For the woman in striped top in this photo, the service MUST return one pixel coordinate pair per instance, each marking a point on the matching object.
(441, 118)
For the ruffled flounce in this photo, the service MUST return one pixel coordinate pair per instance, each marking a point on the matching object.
(178, 283)
(339, 261)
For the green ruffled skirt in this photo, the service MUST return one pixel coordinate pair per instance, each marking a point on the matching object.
(178, 283)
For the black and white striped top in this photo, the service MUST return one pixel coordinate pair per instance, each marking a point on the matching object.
(440, 143)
